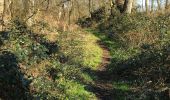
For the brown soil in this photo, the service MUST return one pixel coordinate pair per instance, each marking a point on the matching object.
(103, 87)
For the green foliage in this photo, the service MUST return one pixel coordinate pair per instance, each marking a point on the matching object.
(77, 91)
(45, 89)
(82, 50)
(121, 86)
(65, 85)
(52, 70)
(136, 29)
(60, 69)
(139, 46)
(99, 14)
(23, 44)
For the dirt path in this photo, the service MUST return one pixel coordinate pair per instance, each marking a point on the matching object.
(103, 87)
(106, 58)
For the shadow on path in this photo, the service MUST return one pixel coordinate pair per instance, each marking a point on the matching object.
(102, 87)
(13, 85)
(143, 76)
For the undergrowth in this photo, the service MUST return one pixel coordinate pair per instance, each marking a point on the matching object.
(47, 69)
(139, 46)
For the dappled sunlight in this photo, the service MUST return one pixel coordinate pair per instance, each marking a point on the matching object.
(84, 50)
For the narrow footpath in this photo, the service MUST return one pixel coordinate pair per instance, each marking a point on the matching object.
(103, 88)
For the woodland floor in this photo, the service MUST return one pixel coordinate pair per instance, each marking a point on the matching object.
(103, 87)
(119, 85)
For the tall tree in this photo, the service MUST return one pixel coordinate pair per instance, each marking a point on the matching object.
(128, 6)
(90, 7)
(2, 13)
(134, 3)
(25, 8)
(166, 4)
(120, 5)
(152, 5)
(112, 7)
(146, 6)
(71, 10)
(159, 4)
(142, 5)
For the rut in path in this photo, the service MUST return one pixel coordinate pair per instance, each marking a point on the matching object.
(103, 87)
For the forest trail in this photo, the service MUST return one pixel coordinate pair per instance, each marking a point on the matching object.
(103, 88)
(106, 57)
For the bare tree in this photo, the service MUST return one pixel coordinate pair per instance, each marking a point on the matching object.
(90, 7)
(166, 4)
(159, 5)
(134, 3)
(146, 6)
(71, 10)
(2, 14)
(128, 6)
(112, 7)
(120, 5)
(142, 5)
(152, 5)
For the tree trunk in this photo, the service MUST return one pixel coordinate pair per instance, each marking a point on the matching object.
(142, 5)
(128, 6)
(25, 9)
(134, 4)
(159, 5)
(166, 4)
(120, 5)
(152, 5)
(90, 10)
(71, 11)
(146, 6)
(78, 8)
(112, 7)
(1, 6)
(2, 13)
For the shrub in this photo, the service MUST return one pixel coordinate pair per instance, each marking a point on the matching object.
(52, 69)
(96, 16)
(23, 44)
(136, 29)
